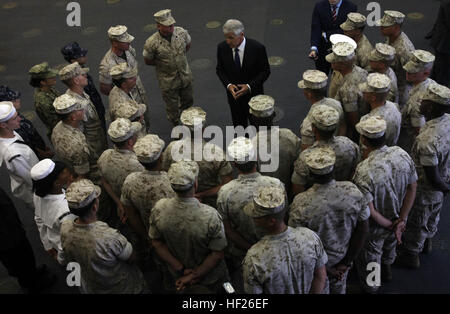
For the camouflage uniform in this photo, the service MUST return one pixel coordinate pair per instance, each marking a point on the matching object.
(143, 189)
(347, 157)
(102, 253)
(93, 129)
(393, 90)
(116, 164)
(43, 102)
(383, 178)
(172, 70)
(210, 171)
(305, 128)
(191, 231)
(431, 148)
(349, 95)
(411, 116)
(111, 59)
(283, 263)
(231, 199)
(389, 112)
(71, 147)
(289, 149)
(116, 97)
(403, 49)
(331, 210)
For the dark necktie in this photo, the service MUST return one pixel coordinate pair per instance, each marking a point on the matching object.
(334, 13)
(237, 60)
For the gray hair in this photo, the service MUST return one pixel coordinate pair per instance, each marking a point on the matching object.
(234, 26)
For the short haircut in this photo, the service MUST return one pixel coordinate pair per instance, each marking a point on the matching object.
(118, 82)
(325, 134)
(83, 211)
(184, 191)
(376, 142)
(263, 121)
(321, 92)
(247, 167)
(36, 82)
(233, 26)
(63, 116)
(43, 187)
(278, 216)
(69, 82)
(322, 178)
(150, 165)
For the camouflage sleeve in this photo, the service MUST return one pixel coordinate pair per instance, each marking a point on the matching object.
(349, 100)
(216, 233)
(167, 157)
(225, 169)
(301, 172)
(121, 247)
(427, 154)
(322, 257)
(222, 203)
(187, 37)
(364, 214)
(103, 73)
(46, 112)
(295, 220)
(250, 276)
(126, 192)
(148, 51)
(132, 51)
(361, 182)
(417, 119)
(153, 232)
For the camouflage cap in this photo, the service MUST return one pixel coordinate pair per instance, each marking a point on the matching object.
(391, 18)
(81, 193)
(164, 17)
(376, 83)
(122, 70)
(354, 21)
(341, 38)
(267, 200)
(119, 33)
(66, 103)
(72, 70)
(182, 174)
(130, 110)
(342, 52)
(7, 111)
(438, 93)
(42, 169)
(382, 52)
(42, 71)
(122, 129)
(372, 127)
(320, 160)
(420, 60)
(313, 79)
(241, 150)
(325, 118)
(262, 106)
(193, 117)
(148, 148)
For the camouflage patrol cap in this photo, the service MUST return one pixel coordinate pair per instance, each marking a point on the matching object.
(72, 70)
(420, 60)
(122, 70)
(193, 117)
(241, 150)
(182, 174)
(119, 33)
(376, 83)
(130, 110)
(148, 148)
(42, 169)
(320, 160)
(164, 17)
(354, 21)
(313, 79)
(122, 129)
(382, 52)
(342, 52)
(262, 106)
(325, 118)
(391, 18)
(81, 193)
(42, 71)
(438, 93)
(66, 103)
(7, 111)
(267, 200)
(372, 127)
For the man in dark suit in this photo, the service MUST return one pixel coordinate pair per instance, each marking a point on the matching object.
(327, 17)
(242, 66)
(440, 41)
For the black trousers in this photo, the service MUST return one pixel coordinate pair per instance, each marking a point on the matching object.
(20, 263)
(240, 110)
(441, 69)
(322, 64)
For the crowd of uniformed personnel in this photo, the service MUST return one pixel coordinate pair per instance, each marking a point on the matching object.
(343, 194)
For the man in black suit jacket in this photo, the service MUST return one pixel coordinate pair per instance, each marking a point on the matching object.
(324, 25)
(242, 66)
(440, 41)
